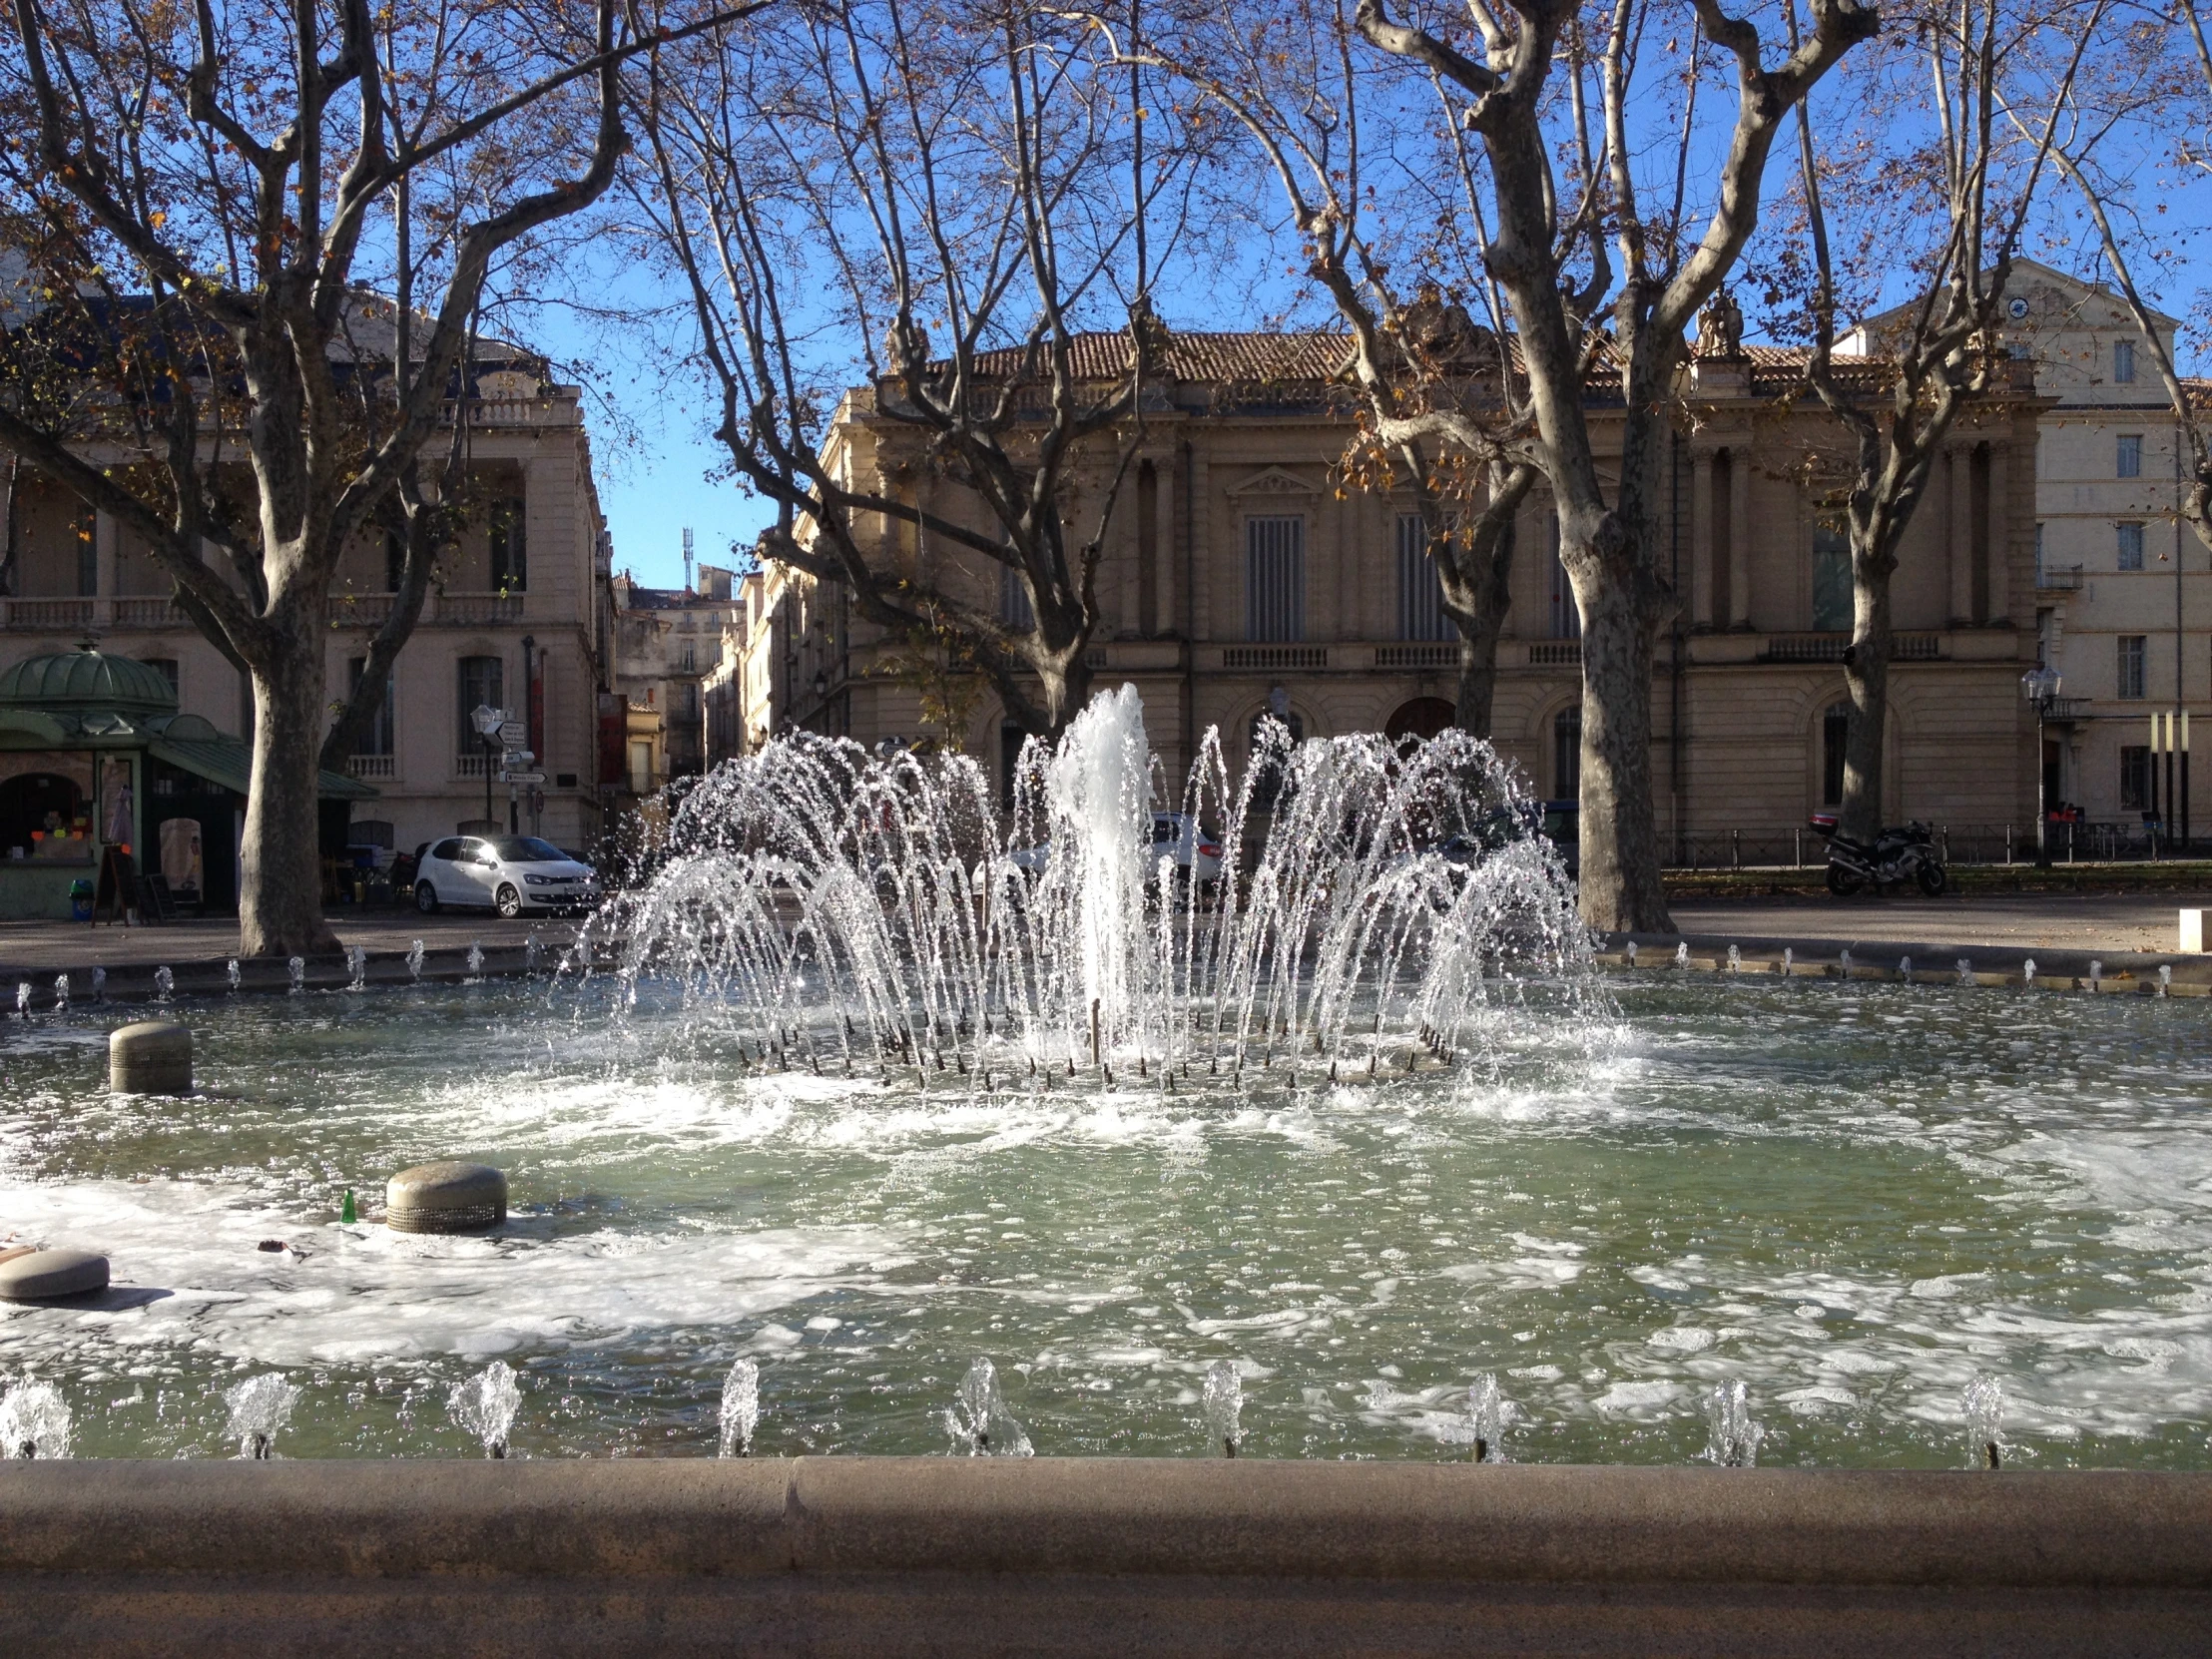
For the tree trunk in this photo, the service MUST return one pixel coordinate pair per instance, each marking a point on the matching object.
(281, 899)
(1622, 890)
(1867, 672)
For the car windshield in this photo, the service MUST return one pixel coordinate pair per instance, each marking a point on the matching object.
(527, 849)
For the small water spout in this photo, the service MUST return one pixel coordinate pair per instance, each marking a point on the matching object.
(1223, 1403)
(1905, 969)
(1843, 962)
(741, 1409)
(1735, 959)
(2165, 978)
(260, 1406)
(356, 958)
(475, 956)
(164, 982)
(61, 993)
(1682, 954)
(485, 1405)
(1965, 972)
(233, 971)
(34, 1421)
(1094, 1032)
(979, 1420)
(1486, 1417)
(1788, 961)
(1983, 1401)
(414, 959)
(100, 984)
(297, 967)
(2097, 974)
(1631, 952)
(1731, 1432)
(2027, 975)
(23, 1000)
(530, 954)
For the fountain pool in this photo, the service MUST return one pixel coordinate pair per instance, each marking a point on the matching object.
(1737, 1179)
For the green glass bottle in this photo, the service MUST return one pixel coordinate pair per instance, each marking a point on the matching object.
(345, 1210)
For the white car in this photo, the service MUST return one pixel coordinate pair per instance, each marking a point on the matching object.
(507, 874)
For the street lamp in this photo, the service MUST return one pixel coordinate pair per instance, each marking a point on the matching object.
(487, 720)
(2039, 686)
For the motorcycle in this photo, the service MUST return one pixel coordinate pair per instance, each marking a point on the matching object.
(1906, 854)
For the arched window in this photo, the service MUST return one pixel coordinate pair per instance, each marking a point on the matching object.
(1566, 753)
(1835, 739)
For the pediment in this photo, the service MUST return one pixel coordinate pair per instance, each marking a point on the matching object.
(1275, 481)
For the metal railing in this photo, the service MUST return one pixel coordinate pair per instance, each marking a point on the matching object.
(1275, 656)
(1830, 648)
(1426, 653)
(2058, 578)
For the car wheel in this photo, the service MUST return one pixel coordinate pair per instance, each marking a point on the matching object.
(1931, 878)
(1841, 883)
(509, 901)
(425, 898)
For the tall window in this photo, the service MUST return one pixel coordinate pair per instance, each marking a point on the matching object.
(86, 529)
(1275, 578)
(510, 547)
(1566, 754)
(375, 737)
(1014, 609)
(1830, 574)
(2123, 361)
(2128, 461)
(2038, 555)
(2131, 665)
(2128, 539)
(1420, 596)
(1566, 614)
(483, 682)
(2135, 778)
(1835, 741)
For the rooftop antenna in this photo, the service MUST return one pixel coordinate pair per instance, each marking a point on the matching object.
(687, 559)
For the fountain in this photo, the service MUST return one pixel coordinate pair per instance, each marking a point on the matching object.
(164, 983)
(1682, 954)
(234, 972)
(61, 993)
(1965, 972)
(2027, 975)
(260, 1406)
(100, 984)
(2097, 974)
(2165, 977)
(485, 1405)
(1843, 962)
(979, 1420)
(530, 955)
(741, 1409)
(1630, 952)
(1487, 1418)
(1982, 1403)
(414, 959)
(1788, 961)
(356, 958)
(1735, 959)
(34, 1421)
(475, 960)
(1733, 1434)
(297, 966)
(1905, 969)
(23, 1000)
(1223, 1400)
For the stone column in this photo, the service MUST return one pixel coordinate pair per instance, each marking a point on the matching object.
(1200, 551)
(1999, 550)
(1701, 537)
(1167, 573)
(1739, 538)
(1958, 463)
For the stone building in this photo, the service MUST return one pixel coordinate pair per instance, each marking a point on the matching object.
(516, 620)
(668, 644)
(2123, 592)
(1242, 573)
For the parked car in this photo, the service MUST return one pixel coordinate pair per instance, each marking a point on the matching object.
(1175, 836)
(507, 874)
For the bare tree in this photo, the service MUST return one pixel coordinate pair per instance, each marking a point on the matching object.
(1440, 406)
(211, 184)
(1941, 349)
(956, 190)
(1550, 73)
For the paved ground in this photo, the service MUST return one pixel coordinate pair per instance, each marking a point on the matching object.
(2059, 921)
(75, 944)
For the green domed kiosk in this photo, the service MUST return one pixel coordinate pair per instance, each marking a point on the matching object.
(94, 754)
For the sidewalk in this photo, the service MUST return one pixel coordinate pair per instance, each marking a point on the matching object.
(44, 947)
(2140, 922)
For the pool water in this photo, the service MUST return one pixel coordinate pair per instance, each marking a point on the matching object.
(1852, 1197)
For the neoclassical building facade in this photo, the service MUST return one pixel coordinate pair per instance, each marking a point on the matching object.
(1243, 572)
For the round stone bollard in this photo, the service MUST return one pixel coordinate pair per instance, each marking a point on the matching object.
(445, 1198)
(152, 1057)
(41, 1274)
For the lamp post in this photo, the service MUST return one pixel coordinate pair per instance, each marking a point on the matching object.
(487, 720)
(2039, 686)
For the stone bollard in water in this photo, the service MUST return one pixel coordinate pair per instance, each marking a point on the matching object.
(445, 1198)
(152, 1056)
